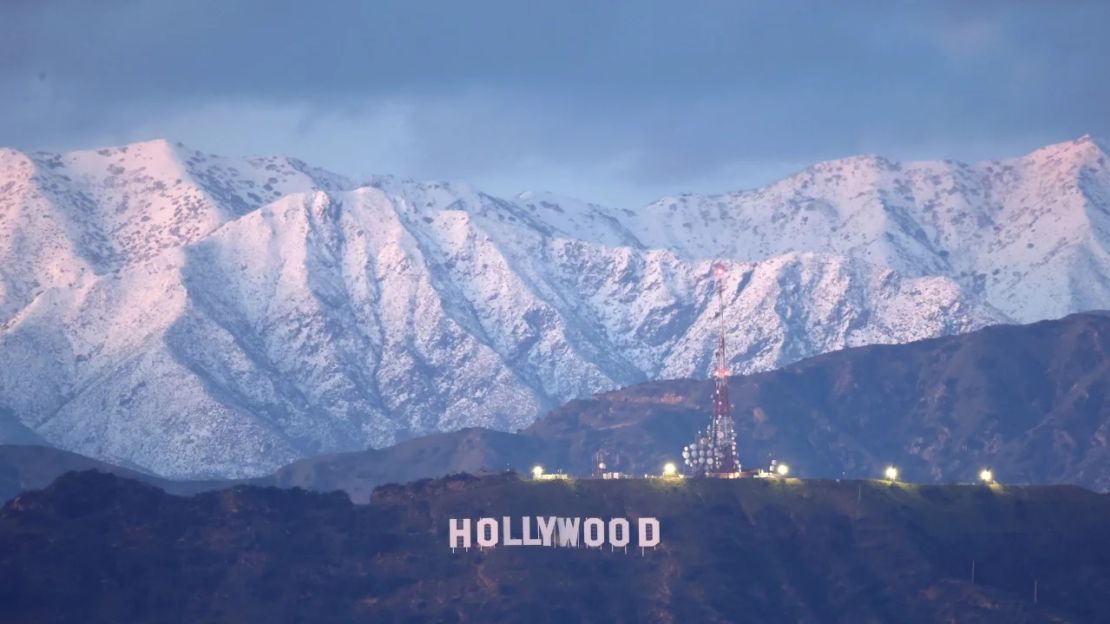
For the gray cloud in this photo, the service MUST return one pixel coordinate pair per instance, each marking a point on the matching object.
(619, 101)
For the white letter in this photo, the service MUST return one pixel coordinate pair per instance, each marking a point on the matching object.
(647, 541)
(615, 540)
(487, 526)
(568, 532)
(460, 532)
(547, 529)
(527, 536)
(595, 538)
(508, 540)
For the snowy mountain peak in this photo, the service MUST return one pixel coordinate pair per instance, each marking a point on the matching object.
(1086, 151)
(199, 315)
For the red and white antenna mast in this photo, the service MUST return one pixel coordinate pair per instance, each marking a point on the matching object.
(713, 454)
(723, 428)
(720, 368)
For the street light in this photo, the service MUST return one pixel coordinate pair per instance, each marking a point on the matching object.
(891, 473)
(669, 469)
(537, 472)
(782, 469)
(986, 476)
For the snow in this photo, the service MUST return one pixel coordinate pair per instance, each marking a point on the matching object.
(205, 316)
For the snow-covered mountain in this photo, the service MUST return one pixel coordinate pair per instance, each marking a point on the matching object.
(204, 316)
(1029, 235)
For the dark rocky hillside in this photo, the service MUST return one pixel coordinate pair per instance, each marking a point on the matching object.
(30, 467)
(98, 548)
(1032, 401)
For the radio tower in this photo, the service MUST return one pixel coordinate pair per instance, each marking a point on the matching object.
(714, 453)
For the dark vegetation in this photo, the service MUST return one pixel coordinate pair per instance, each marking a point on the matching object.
(98, 548)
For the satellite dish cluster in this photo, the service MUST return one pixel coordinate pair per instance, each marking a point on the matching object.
(702, 456)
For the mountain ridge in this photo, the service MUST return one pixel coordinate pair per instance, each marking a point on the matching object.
(280, 311)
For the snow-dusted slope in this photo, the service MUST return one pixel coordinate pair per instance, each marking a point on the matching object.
(1028, 234)
(202, 316)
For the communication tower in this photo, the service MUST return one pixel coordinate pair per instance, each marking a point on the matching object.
(713, 452)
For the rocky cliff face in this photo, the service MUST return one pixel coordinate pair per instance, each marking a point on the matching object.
(202, 316)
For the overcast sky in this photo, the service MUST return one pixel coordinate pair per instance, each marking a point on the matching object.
(610, 101)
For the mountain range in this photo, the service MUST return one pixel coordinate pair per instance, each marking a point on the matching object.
(199, 316)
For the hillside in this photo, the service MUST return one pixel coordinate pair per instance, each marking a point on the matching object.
(200, 316)
(32, 467)
(1033, 401)
(97, 548)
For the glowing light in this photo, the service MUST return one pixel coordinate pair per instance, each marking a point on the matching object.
(537, 472)
(669, 469)
(986, 476)
(891, 473)
(782, 469)
(719, 269)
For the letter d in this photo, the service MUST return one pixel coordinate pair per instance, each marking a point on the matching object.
(649, 532)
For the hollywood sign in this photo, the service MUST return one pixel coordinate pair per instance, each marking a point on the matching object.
(552, 532)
